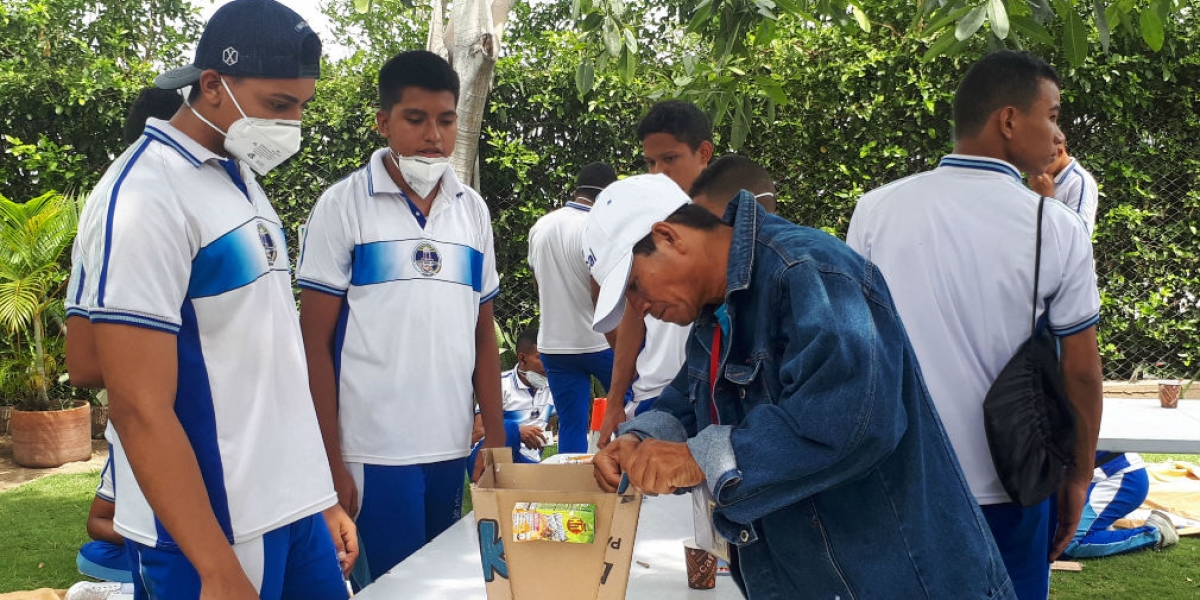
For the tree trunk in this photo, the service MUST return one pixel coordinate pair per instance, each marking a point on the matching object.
(471, 42)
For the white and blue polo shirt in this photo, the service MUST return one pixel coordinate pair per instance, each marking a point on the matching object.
(526, 405)
(563, 283)
(1076, 188)
(413, 285)
(956, 245)
(179, 240)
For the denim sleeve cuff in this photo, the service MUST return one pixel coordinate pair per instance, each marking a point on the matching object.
(655, 424)
(713, 450)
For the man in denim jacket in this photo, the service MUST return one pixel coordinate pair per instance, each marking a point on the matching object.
(832, 474)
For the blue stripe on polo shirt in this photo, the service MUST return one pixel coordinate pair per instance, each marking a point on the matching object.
(101, 315)
(981, 165)
(491, 296)
(75, 311)
(578, 206)
(161, 136)
(108, 224)
(417, 259)
(308, 284)
(233, 260)
(194, 407)
(79, 290)
(1073, 329)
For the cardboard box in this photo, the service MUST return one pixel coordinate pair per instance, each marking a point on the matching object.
(541, 570)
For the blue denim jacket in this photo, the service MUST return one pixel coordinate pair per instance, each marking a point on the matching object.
(832, 473)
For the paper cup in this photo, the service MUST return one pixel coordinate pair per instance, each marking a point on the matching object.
(701, 566)
(1168, 393)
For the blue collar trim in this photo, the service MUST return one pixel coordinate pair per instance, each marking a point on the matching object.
(981, 164)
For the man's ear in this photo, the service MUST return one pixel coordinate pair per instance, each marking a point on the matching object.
(668, 234)
(381, 122)
(1005, 120)
(210, 88)
(705, 151)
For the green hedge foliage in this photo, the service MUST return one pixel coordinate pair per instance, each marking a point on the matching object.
(856, 110)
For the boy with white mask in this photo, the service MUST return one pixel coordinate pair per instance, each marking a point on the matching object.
(181, 270)
(397, 275)
(528, 405)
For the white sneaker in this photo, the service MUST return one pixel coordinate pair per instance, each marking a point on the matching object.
(1167, 536)
(93, 590)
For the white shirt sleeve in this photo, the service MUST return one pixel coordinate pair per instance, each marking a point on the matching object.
(1075, 304)
(106, 490)
(1078, 191)
(327, 250)
(147, 247)
(855, 236)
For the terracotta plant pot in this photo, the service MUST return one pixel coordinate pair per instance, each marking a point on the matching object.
(99, 421)
(52, 438)
(1168, 393)
(5, 415)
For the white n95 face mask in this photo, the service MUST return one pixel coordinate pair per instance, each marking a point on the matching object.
(422, 174)
(262, 143)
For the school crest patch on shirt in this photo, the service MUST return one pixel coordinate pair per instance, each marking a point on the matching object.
(427, 259)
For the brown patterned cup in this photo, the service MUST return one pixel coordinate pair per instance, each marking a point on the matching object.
(1168, 393)
(701, 567)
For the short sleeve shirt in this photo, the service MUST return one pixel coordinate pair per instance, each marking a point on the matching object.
(564, 285)
(405, 342)
(956, 246)
(1076, 188)
(179, 240)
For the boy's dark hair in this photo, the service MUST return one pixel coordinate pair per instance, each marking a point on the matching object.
(593, 178)
(150, 102)
(415, 68)
(688, 215)
(527, 340)
(1002, 78)
(679, 118)
(725, 177)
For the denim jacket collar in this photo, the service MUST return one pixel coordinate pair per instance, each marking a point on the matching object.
(746, 216)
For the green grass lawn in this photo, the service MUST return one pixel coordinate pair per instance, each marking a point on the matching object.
(42, 527)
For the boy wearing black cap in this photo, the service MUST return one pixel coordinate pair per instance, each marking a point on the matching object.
(182, 270)
(571, 352)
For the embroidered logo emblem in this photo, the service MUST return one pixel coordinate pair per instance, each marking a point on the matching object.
(230, 56)
(268, 243)
(427, 259)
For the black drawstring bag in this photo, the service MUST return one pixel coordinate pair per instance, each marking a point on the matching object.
(1029, 421)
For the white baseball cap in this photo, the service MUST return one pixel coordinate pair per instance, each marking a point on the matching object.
(623, 214)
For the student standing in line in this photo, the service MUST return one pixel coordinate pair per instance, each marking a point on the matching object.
(183, 275)
(570, 351)
(677, 142)
(958, 246)
(397, 276)
(1068, 181)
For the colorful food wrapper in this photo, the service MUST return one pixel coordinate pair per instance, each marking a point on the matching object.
(554, 522)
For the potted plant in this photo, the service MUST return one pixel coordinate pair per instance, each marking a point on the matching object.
(47, 430)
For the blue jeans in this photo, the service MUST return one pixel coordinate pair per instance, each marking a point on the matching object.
(570, 377)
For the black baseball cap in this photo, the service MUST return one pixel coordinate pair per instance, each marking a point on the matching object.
(252, 38)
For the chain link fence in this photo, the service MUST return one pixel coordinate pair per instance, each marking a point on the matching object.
(1145, 247)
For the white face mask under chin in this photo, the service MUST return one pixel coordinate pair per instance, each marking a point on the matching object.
(535, 379)
(262, 143)
(420, 173)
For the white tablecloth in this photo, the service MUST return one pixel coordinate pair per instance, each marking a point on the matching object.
(1140, 425)
(448, 568)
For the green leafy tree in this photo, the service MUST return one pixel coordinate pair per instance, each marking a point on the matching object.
(33, 237)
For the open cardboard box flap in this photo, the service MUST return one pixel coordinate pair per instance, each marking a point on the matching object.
(538, 570)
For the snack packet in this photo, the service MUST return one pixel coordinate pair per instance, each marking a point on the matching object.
(554, 522)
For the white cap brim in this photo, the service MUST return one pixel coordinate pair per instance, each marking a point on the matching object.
(610, 304)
